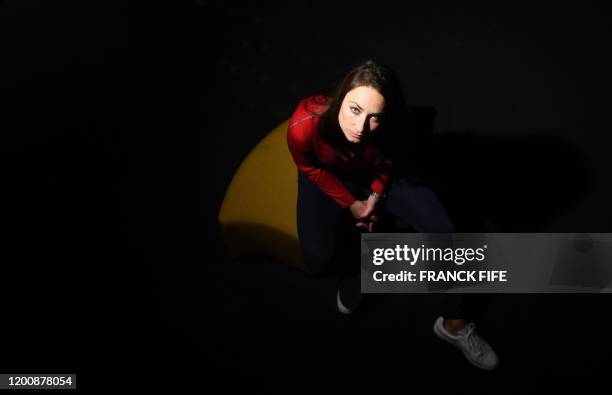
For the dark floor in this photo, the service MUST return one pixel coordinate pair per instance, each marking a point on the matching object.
(114, 264)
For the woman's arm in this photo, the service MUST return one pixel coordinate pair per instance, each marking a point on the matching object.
(300, 147)
(381, 175)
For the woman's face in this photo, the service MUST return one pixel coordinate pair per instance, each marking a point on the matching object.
(360, 112)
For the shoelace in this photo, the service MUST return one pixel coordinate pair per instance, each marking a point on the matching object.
(474, 340)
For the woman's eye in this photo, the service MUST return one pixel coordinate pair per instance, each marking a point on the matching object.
(355, 110)
(376, 119)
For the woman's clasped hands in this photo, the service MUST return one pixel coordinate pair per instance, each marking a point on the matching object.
(364, 212)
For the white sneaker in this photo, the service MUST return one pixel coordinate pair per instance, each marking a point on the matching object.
(348, 306)
(475, 348)
(341, 307)
(349, 295)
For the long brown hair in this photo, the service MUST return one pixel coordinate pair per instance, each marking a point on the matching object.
(380, 77)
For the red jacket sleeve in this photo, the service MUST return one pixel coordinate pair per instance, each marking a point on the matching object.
(299, 140)
(381, 174)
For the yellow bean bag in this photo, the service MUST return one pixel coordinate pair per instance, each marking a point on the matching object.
(258, 214)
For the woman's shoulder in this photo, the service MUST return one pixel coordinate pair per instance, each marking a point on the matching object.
(309, 108)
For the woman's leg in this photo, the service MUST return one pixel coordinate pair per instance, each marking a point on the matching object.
(329, 241)
(319, 222)
(418, 206)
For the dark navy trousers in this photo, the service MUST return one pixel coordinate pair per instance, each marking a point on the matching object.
(330, 242)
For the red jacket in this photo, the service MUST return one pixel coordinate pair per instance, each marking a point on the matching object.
(319, 161)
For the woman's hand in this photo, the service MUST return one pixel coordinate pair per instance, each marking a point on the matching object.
(368, 223)
(363, 210)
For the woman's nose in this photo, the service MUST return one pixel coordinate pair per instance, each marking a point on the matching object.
(362, 124)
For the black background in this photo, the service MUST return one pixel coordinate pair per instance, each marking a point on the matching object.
(123, 123)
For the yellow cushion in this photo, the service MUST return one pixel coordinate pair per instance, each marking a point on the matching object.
(258, 214)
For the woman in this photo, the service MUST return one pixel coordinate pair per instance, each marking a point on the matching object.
(343, 148)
